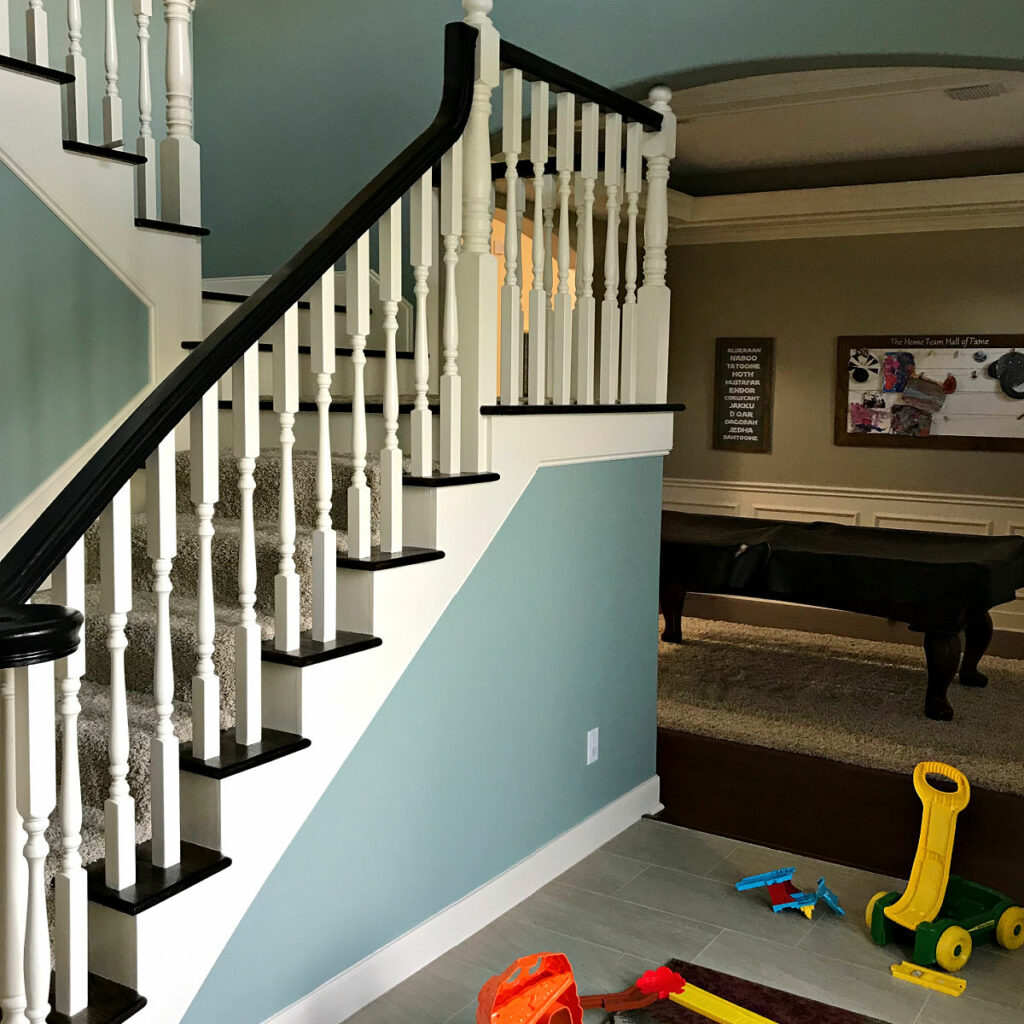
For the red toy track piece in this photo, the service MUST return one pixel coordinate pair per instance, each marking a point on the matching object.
(536, 989)
(661, 981)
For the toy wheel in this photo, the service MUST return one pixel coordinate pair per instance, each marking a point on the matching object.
(869, 914)
(953, 949)
(1010, 928)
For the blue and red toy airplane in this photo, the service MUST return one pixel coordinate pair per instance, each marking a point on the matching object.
(786, 896)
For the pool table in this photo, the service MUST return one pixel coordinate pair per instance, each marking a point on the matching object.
(941, 585)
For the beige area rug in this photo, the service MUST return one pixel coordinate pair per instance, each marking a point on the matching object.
(857, 701)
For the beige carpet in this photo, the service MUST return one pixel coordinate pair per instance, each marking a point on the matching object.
(858, 701)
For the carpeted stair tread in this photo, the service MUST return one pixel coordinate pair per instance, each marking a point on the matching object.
(267, 475)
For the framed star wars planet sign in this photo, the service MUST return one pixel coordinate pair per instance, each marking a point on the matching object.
(961, 391)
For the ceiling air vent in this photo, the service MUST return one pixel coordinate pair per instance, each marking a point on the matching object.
(984, 91)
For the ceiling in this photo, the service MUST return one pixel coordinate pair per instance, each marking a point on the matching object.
(848, 126)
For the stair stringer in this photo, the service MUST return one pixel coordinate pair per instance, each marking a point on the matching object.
(95, 198)
(166, 953)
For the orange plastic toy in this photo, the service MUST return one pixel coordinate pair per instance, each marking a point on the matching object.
(536, 989)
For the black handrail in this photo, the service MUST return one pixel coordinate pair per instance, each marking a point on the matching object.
(40, 550)
(536, 68)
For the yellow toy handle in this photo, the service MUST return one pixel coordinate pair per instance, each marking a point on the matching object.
(929, 877)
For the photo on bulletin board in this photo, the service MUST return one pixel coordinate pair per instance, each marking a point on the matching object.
(958, 391)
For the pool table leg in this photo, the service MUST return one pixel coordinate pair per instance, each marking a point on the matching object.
(977, 637)
(942, 651)
(672, 597)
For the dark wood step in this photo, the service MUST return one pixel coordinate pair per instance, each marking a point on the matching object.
(449, 479)
(24, 67)
(236, 757)
(562, 410)
(312, 652)
(238, 298)
(103, 152)
(304, 350)
(815, 807)
(109, 1003)
(378, 559)
(338, 405)
(171, 228)
(153, 885)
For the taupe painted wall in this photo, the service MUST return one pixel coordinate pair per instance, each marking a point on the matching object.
(806, 292)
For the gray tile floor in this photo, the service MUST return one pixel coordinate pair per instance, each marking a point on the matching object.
(657, 892)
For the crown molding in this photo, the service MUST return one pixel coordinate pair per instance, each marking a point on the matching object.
(951, 204)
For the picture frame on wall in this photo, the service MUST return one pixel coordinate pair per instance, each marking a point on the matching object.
(744, 390)
(951, 391)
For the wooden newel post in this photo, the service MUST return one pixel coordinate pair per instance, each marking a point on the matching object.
(477, 274)
(654, 298)
(179, 152)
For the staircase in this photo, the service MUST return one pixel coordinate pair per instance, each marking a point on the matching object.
(262, 546)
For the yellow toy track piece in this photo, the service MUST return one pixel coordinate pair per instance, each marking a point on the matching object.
(929, 877)
(715, 1008)
(928, 979)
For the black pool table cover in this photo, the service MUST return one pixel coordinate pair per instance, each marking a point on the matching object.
(921, 578)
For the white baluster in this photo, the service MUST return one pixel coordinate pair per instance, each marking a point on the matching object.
(654, 299)
(162, 546)
(539, 122)
(76, 102)
(421, 256)
(608, 386)
(451, 382)
(35, 742)
(145, 145)
(179, 152)
(245, 402)
(13, 870)
(390, 239)
(357, 306)
(116, 602)
(113, 120)
(478, 269)
(70, 898)
(549, 204)
(630, 324)
(286, 405)
(325, 538)
(205, 487)
(586, 309)
(35, 32)
(511, 307)
(565, 152)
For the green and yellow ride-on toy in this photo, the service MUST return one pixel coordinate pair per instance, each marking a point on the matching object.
(943, 915)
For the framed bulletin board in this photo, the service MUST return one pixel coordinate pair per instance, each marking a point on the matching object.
(958, 391)
(744, 392)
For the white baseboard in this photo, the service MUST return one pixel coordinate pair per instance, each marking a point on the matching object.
(978, 514)
(354, 988)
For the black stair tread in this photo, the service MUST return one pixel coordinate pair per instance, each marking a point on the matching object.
(109, 1003)
(548, 410)
(372, 404)
(304, 350)
(171, 227)
(153, 885)
(238, 298)
(117, 155)
(312, 652)
(235, 757)
(449, 479)
(24, 67)
(389, 559)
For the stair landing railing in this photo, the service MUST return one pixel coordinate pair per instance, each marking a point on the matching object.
(179, 199)
(618, 359)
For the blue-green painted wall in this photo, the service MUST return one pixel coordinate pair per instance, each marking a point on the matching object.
(300, 104)
(74, 342)
(477, 757)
